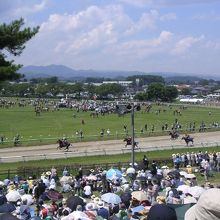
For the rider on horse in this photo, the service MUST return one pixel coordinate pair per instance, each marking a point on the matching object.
(63, 143)
(129, 142)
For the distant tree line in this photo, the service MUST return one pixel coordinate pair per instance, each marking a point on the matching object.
(154, 92)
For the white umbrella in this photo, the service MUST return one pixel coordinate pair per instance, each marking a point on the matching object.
(196, 191)
(130, 170)
(13, 196)
(66, 179)
(190, 176)
(91, 177)
(183, 188)
(77, 215)
(29, 199)
(189, 200)
(139, 195)
(111, 198)
(183, 173)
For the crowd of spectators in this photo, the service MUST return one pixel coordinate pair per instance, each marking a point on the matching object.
(146, 191)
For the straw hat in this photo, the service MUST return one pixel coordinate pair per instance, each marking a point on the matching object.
(96, 200)
(48, 173)
(161, 199)
(100, 204)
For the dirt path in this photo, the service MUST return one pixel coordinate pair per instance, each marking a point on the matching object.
(101, 147)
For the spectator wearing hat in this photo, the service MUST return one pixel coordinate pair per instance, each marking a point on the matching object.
(90, 210)
(154, 168)
(64, 209)
(207, 168)
(54, 173)
(25, 186)
(153, 191)
(161, 212)
(30, 182)
(65, 172)
(145, 163)
(206, 208)
(102, 210)
(189, 169)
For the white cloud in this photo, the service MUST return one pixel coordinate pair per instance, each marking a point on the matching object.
(17, 8)
(167, 17)
(208, 16)
(139, 49)
(213, 45)
(137, 3)
(185, 44)
(29, 9)
(159, 3)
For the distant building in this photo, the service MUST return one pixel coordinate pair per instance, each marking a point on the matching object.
(191, 100)
(180, 88)
(122, 83)
(200, 90)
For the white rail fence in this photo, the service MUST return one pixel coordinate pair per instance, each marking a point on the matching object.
(77, 153)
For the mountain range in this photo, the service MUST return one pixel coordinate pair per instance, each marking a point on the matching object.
(67, 73)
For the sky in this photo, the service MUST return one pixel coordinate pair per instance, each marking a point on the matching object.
(181, 36)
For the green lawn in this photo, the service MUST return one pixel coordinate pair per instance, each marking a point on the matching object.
(52, 125)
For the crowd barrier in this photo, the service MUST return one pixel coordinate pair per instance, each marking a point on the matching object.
(97, 137)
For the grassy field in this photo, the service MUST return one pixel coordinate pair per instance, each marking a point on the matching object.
(49, 126)
(91, 160)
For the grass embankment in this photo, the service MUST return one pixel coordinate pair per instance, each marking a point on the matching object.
(102, 160)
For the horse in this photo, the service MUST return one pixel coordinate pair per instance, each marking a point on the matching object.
(63, 144)
(129, 142)
(188, 139)
(173, 135)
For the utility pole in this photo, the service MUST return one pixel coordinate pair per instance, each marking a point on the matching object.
(132, 136)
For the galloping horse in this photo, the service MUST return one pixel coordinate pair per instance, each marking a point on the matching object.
(173, 135)
(188, 139)
(63, 144)
(128, 141)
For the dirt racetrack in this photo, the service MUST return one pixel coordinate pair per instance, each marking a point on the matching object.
(103, 147)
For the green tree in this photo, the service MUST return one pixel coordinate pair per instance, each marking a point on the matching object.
(141, 96)
(12, 40)
(155, 92)
(109, 89)
(160, 92)
(170, 93)
(90, 88)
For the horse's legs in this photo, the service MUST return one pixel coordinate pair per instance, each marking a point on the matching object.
(67, 147)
